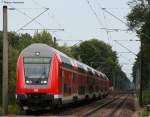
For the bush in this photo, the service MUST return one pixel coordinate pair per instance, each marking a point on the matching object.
(0, 110)
(146, 96)
(144, 113)
(14, 109)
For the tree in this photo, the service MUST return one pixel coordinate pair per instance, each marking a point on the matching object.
(139, 20)
(100, 56)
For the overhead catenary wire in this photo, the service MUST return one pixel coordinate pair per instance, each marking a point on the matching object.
(116, 8)
(114, 29)
(125, 58)
(51, 14)
(94, 12)
(105, 21)
(128, 40)
(25, 14)
(125, 47)
(67, 40)
(26, 8)
(124, 52)
(44, 29)
(32, 20)
(114, 16)
(140, 33)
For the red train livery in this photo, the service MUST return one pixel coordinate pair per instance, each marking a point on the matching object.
(46, 77)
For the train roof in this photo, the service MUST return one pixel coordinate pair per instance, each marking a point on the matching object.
(37, 49)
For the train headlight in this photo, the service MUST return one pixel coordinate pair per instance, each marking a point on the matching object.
(37, 53)
(27, 81)
(45, 82)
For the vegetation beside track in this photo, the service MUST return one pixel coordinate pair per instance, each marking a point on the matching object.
(139, 22)
(13, 109)
(144, 113)
(0, 110)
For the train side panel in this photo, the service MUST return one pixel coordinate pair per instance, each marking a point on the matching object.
(20, 76)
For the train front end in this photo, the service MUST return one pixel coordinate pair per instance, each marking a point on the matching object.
(33, 72)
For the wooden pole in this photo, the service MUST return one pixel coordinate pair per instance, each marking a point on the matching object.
(5, 64)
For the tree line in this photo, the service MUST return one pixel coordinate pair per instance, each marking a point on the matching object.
(139, 21)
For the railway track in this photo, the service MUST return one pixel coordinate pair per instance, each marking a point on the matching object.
(108, 107)
(123, 107)
(84, 108)
(90, 112)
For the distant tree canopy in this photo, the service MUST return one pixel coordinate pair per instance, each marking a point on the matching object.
(139, 21)
(95, 53)
(100, 56)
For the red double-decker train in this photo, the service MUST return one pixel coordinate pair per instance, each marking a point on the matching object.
(45, 77)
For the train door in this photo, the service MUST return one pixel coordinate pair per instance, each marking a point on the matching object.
(79, 84)
(67, 83)
(74, 84)
(88, 85)
(60, 81)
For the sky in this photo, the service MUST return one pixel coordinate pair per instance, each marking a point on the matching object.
(81, 20)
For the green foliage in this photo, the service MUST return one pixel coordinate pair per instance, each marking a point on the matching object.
(13, 55)
(14, 109)
(0, 111)
(137, 15)
(65, 50)
(144, 113)
(139, 20)
(26, 39)
(146, 96)
(100, 56)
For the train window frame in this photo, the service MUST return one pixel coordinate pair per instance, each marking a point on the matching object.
(24, 62)
(66, 62)
(49, 58)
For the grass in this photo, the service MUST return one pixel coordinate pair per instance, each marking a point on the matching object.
(144, 113)
(0, 110)
(12, 110)
(146, 97)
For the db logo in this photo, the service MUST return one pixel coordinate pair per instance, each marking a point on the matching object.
(36, 90)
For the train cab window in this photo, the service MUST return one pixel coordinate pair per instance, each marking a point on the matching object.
(37, 70)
